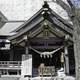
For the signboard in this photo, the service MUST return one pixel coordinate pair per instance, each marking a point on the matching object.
(26, 68)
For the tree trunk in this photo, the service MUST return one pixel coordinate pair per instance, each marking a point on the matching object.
(75, 15)
(76, 39)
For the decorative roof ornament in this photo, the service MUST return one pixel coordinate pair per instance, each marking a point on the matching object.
(46, 12)
(45, 5)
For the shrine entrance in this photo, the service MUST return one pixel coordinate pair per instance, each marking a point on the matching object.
(46, 52)
(54, 60)
(46, 36)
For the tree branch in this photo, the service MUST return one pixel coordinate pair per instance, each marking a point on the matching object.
(65, 7)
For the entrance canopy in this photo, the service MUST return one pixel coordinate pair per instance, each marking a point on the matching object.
(44, 24)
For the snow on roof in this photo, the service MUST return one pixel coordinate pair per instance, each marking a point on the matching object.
(23, 10)
(3, 19)
(9, 27)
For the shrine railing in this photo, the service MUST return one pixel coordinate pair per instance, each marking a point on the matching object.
(10, 64)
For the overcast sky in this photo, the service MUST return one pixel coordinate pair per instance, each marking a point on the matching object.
(24, 9)
(76, 2)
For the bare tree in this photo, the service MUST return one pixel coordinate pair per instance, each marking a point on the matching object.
(74, 14)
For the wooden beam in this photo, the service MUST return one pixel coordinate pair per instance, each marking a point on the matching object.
(65, 22)
(27, 28)
(43, 47)
(61, 26)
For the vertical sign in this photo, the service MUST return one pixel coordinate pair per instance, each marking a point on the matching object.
(26, 68)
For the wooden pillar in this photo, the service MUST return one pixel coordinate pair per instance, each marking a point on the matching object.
(11, 52)
(18, 72)
(26, 44)
(7, 72)
(66, 66)
(66, 57)
(26, 50)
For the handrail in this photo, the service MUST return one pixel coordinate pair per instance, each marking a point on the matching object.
(10, 64)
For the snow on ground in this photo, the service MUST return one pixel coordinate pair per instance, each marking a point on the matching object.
(53, 78)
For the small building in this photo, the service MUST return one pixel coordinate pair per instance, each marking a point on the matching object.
(45, 36)
(6, 65)
(45, 40)
(3, 21)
